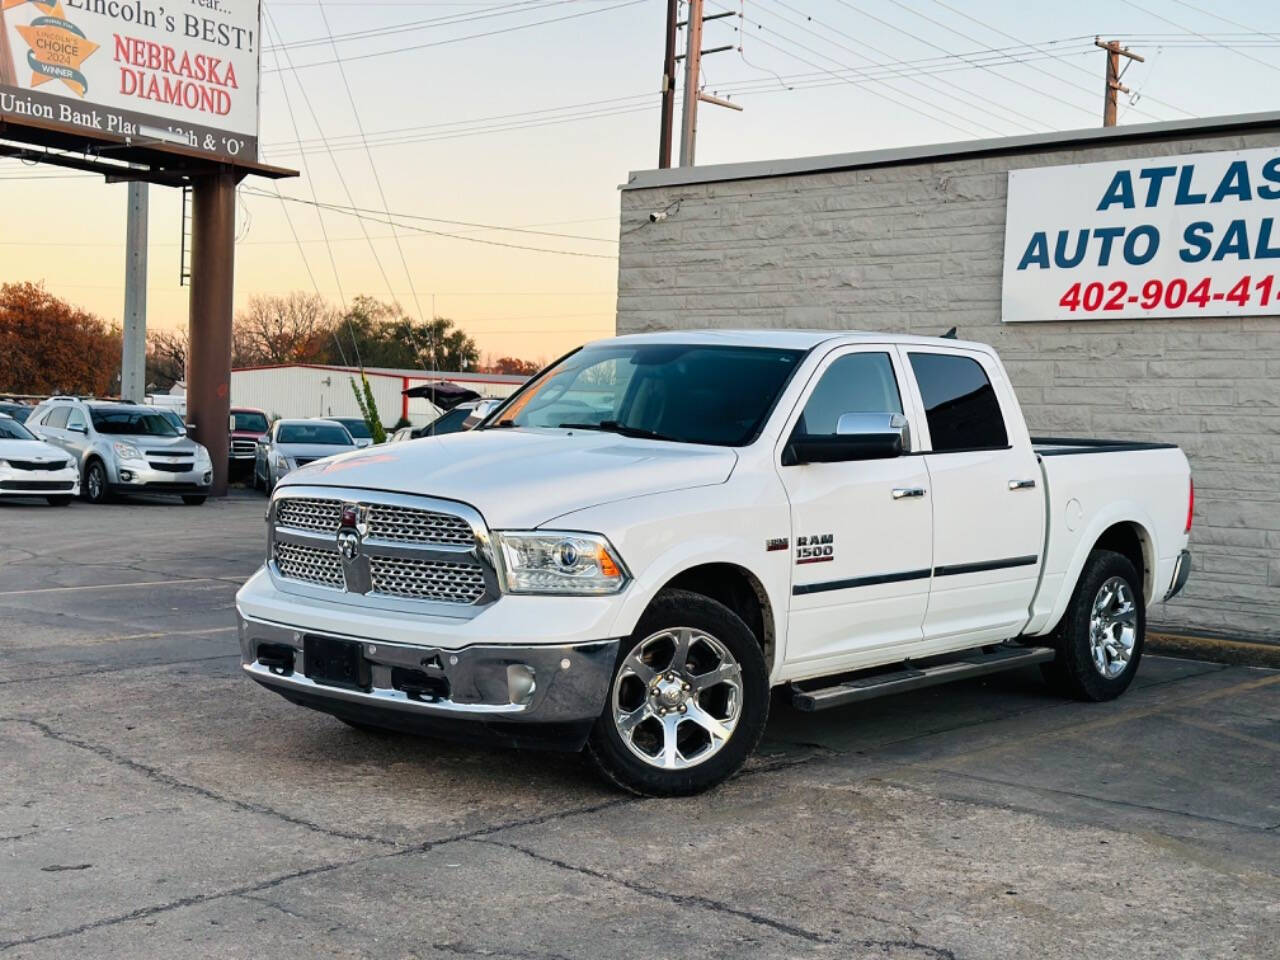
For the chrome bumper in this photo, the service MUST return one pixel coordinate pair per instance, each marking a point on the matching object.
(1181, 571)
(473, 683)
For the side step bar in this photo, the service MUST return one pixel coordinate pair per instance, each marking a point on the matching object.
(976, 663)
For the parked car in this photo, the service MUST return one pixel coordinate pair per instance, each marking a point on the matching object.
(358, 428)
(291, 444)
(125, 448)
(645, 539)
(15, 410)
(29, 467)
(248, 426)
(465, 416)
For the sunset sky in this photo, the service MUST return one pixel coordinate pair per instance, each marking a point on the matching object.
(535, 128)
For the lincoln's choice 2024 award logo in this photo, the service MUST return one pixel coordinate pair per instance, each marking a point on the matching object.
(58, 46)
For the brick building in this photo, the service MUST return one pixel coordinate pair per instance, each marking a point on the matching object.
(913, 240)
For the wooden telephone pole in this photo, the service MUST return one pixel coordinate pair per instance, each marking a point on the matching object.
(693, 94)
(1114, 86)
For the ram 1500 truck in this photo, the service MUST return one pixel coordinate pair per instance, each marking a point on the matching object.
(632, 551)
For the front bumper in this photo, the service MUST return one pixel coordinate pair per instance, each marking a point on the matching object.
(135, 477)
(464, 693)
(39, 483)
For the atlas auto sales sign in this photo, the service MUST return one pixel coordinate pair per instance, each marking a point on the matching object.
(1190, 236)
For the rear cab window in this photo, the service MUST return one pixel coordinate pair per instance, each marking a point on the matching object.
(961, 406)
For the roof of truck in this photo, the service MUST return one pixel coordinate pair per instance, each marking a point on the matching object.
(787, 339)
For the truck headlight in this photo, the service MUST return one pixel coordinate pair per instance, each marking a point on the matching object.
(560, 563)
(126, 451)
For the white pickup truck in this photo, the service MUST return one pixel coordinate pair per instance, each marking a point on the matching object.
(634, 549)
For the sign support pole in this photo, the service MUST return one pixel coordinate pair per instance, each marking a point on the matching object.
(133, 362)
(212, 288)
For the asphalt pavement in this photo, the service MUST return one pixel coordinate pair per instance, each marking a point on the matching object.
(154, 803)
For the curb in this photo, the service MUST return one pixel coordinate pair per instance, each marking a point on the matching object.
(1215, 650)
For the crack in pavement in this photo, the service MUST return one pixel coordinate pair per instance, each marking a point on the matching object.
(719, 906)
(159, 776)
(273, 882)
(121, 669)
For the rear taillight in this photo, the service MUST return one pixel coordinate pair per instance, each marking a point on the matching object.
(1191, 505)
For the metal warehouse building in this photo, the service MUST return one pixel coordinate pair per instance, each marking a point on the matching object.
(1124, 274)
(317, 390)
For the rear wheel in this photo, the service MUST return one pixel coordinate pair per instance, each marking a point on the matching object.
(688, 700)
(95, 482)
(1101, 636)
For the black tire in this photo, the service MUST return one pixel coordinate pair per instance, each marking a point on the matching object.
(193, 499)
(1074, 672)
(94, 489)
(59, 501)
(670, 610)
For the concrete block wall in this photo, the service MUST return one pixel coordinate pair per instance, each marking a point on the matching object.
(918, 248)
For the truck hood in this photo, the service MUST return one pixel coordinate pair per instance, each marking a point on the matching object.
(524, 478)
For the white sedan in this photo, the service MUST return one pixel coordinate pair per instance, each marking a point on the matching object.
(29, 467)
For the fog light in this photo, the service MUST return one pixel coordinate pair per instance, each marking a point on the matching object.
(520, 683)
(208, 478)
(126, 475)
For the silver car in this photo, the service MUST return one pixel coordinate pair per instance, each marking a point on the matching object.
(291, 444)
(124, 448)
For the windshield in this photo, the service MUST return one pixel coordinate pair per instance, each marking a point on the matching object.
(143, 423)
(357, 428)
(13, 430)
(450, 422)
(251, 422)
(683, 392)
(326, 434)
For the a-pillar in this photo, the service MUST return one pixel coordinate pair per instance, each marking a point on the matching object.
(213, 234)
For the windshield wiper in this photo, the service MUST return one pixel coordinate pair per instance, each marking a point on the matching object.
(613, 426)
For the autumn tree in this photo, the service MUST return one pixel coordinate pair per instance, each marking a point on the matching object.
(294, 328)
(514, 366)
(377, 334)
(166, 358)
(48, 346)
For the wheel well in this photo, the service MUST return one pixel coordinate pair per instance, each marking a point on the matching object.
(739, 590)
(1131, 541)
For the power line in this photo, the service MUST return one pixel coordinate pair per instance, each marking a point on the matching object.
(471, 36)
(1174, 23)
(353, 211)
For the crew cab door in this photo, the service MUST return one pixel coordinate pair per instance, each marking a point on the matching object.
(988, 508)
(861, 530)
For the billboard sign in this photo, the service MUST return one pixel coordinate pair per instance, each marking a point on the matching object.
(174, 73)
(1188, 236)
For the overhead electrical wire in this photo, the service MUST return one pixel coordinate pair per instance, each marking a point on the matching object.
(1236, 50)
(471, 36)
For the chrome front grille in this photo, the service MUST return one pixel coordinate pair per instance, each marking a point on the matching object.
(310, 565)
(243, 448)
(426, 579)
(410, 525)
(381, 548)
(309, 514)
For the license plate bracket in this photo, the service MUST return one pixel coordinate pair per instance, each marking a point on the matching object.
(336, 663)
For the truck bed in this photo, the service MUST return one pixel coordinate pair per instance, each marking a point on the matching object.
(1074, 446)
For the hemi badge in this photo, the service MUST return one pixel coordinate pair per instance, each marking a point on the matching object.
(777, 543)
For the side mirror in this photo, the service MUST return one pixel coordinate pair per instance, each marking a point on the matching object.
(858, 436)
(78, 428)
(231, 422)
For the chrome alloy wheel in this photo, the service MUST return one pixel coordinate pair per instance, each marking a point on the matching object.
(95, 482)
(1113, 627)
(677, 698)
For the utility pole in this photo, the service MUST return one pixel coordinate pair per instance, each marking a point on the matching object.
(133, 360)
(1114, 73)
(668, 88)
(693, 54)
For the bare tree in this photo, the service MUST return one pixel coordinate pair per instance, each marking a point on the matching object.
(293, 328)
(166, 357)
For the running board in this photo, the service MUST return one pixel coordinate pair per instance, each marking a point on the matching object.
(976, 663)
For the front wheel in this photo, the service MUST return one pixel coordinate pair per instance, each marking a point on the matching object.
(688, 700)
(1102, 633)
(95, 482)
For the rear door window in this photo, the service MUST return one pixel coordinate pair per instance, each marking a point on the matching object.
(960, 404)
(57, 419)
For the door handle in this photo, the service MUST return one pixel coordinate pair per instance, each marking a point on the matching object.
(1022, 484)
(905, 493)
